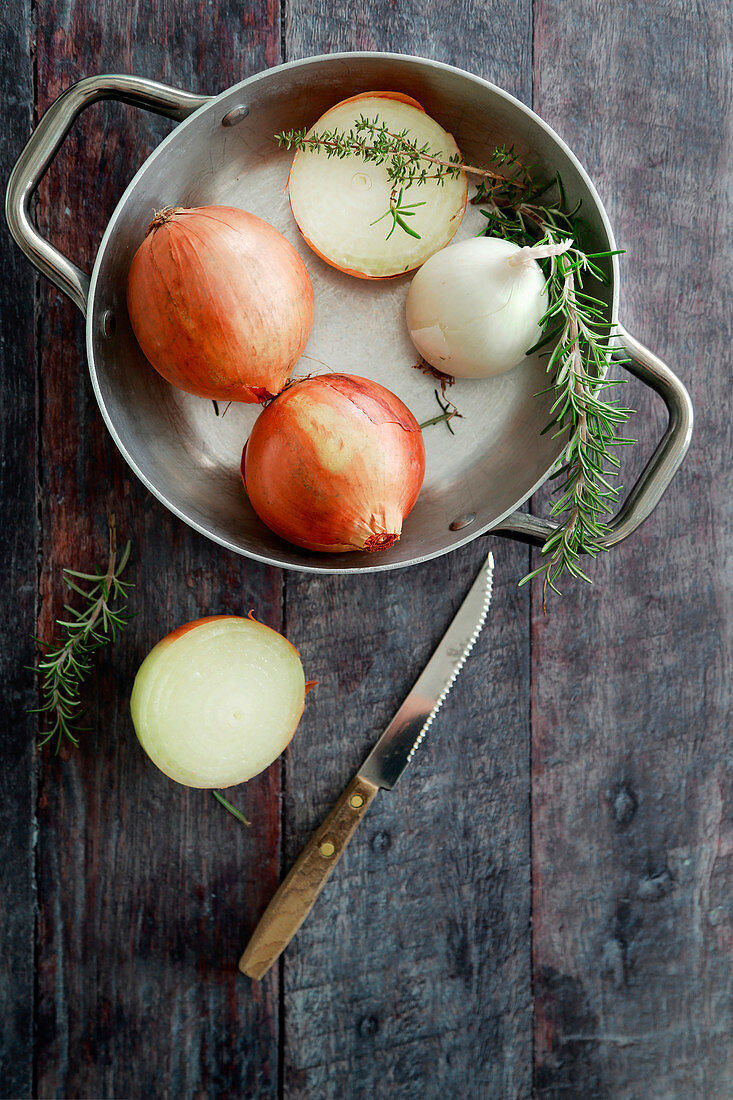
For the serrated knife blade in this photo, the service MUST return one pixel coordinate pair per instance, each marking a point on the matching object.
(390, 756)
(395, 748)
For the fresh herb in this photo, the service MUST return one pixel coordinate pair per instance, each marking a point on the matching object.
(406, 163)
(526, 212)
(69, 659)
(577, 322)
(232, 809)
(398, 211)
(523, 218)
(448, 411)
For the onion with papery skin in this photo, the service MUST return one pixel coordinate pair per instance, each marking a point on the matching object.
(474, 309)
(221, 304)
(335, 463)
(216, 701)
(338, 202)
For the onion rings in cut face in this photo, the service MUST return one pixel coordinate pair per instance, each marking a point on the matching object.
(216, 701)
(339, 203)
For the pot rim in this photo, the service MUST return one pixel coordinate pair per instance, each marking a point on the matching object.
(160, 149)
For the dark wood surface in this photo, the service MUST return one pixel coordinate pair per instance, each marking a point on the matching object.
(544, 904)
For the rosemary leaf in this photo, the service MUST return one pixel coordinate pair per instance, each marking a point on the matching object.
(232, 809)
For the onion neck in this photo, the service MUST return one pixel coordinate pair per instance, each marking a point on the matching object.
(526, 256)
(162, 217)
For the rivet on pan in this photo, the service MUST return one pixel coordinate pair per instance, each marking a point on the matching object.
(356, 801)
(109, 324)
(231, 118)
(327, 849)
(463, 521)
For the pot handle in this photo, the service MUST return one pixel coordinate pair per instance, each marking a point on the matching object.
(659, 470)
(45, 142)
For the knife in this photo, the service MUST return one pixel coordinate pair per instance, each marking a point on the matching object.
(385, 764)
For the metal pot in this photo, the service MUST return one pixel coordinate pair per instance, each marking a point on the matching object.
(224, 152)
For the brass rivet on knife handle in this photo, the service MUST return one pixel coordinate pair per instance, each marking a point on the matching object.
(297, 894)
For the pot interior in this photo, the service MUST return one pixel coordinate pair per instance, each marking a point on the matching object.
(187, 455)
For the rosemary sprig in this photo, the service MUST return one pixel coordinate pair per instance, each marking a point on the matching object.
(523, 220)
(584, 343)
(398, 211)
(69, 659)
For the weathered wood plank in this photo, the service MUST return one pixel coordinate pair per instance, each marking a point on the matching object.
(146, 890)
(632, 680)
(412, 974)
(17, 552)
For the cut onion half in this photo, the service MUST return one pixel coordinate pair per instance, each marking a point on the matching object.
(216, 701)
(338, 202)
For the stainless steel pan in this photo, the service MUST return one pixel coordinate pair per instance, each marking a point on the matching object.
(223, 152)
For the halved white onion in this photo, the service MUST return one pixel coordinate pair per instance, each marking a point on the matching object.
(337, 202)
(472, 313)
(217, 701)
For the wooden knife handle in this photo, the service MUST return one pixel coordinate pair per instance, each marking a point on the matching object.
(298, 891)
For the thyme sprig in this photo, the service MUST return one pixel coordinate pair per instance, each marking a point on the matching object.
(69, 659)
(408, 163)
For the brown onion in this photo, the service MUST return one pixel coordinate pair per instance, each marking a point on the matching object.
(335, 463)
(220, 302)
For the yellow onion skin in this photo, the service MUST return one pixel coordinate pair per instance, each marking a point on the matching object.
(335, 463)
(220, 302)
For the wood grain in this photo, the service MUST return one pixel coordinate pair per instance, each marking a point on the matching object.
(413, 975)
(146, 890)
(632, 869)
(415, 964)
(18, 538)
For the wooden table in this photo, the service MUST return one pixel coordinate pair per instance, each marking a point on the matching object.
(545, 902)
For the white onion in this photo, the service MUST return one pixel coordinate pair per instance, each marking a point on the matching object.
(217, 701)
(473, 314)
(338, 203)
